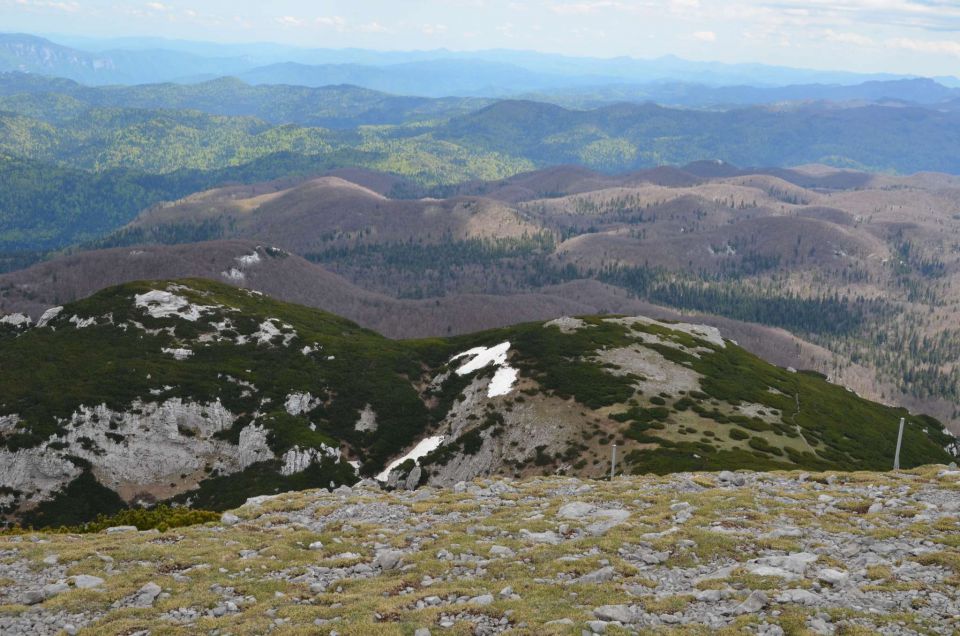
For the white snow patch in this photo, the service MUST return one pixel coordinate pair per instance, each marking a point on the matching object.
(268, 331)
(249, 259)
(502, 382)
(233, 274)
(178, 354)
(83, 323)
(49, 315)
(17, 320)
(164, 304)
(481, 357)
(423, 448)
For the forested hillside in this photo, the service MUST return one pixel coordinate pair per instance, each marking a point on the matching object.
(160, 142)
(843, 259)
(329, 106)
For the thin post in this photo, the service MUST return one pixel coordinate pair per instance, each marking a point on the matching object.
(613, 461)
(896, 457)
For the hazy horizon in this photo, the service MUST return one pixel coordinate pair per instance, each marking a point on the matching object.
(908, 37)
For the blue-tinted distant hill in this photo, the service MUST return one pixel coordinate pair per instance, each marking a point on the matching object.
(30, 54)
(914, 91)
(329, 106)
(432, 78)
(628, 136)
(430, 73)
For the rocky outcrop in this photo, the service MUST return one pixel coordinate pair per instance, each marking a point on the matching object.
(367, 422)
(300, 403)
(297, 460)
(150, 443)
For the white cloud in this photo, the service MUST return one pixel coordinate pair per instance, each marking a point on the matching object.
(705, 36)
(583, 8)
(847, 38)
(333, 22)
(937, 47)
(289, 21)
(68, 7)
(372, 27)
(433, 29)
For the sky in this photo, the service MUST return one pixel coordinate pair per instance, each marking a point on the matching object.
(919, 37)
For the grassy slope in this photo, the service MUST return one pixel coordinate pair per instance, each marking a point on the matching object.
(264, 554)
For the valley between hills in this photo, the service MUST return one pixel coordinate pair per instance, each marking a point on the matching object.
(846, 273)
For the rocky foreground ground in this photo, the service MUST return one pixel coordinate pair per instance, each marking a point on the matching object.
(770, 553)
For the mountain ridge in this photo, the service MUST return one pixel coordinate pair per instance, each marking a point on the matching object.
(232, 394)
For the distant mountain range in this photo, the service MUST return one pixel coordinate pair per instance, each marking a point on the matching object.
(338, 106)
(30, 54)
(439, 73)
(81, 161)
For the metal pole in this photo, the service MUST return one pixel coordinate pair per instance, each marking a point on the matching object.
(896, 458)
(613, 461)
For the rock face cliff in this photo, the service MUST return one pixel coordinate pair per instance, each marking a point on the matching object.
(197, 393)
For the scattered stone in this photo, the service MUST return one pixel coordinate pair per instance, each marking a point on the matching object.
(32, 597)
(820, 625)
(388, 559)
(798, 596)
(598, 576)
(120, 529)
(502, 551)
(549, 537)
(147, 594)
(52, 589)
(833, 577)
(373, 521)
(753, 604)
(87, 581)
(482, 600)
(728, 478)
(619, 613)
(576, 510)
